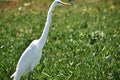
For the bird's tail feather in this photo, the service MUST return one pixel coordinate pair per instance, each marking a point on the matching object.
(15, 76)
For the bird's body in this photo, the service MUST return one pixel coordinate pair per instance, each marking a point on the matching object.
(31, 56)
(29, 59)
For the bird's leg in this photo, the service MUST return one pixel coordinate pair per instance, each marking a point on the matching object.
(29, 75)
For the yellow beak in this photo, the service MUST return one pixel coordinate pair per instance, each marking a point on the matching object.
(66, 4)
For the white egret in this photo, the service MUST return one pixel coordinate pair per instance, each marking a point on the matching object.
(31, 56)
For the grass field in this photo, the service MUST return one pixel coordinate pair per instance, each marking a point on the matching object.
(83, 41)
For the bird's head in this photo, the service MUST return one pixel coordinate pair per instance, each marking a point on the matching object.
(59, 2)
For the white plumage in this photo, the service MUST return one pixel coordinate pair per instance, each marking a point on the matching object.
(31, 56)
(29, 59)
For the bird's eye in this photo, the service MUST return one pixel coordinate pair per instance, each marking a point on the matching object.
(58, 2)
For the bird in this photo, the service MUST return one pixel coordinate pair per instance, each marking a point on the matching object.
(33, 53)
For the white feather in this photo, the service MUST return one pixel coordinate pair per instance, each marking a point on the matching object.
(31, 56)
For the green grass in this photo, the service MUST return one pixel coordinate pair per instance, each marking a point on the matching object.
(83, 41)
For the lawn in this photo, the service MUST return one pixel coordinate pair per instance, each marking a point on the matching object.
(83, 41)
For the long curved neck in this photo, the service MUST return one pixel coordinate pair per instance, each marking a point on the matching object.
(43, 38)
